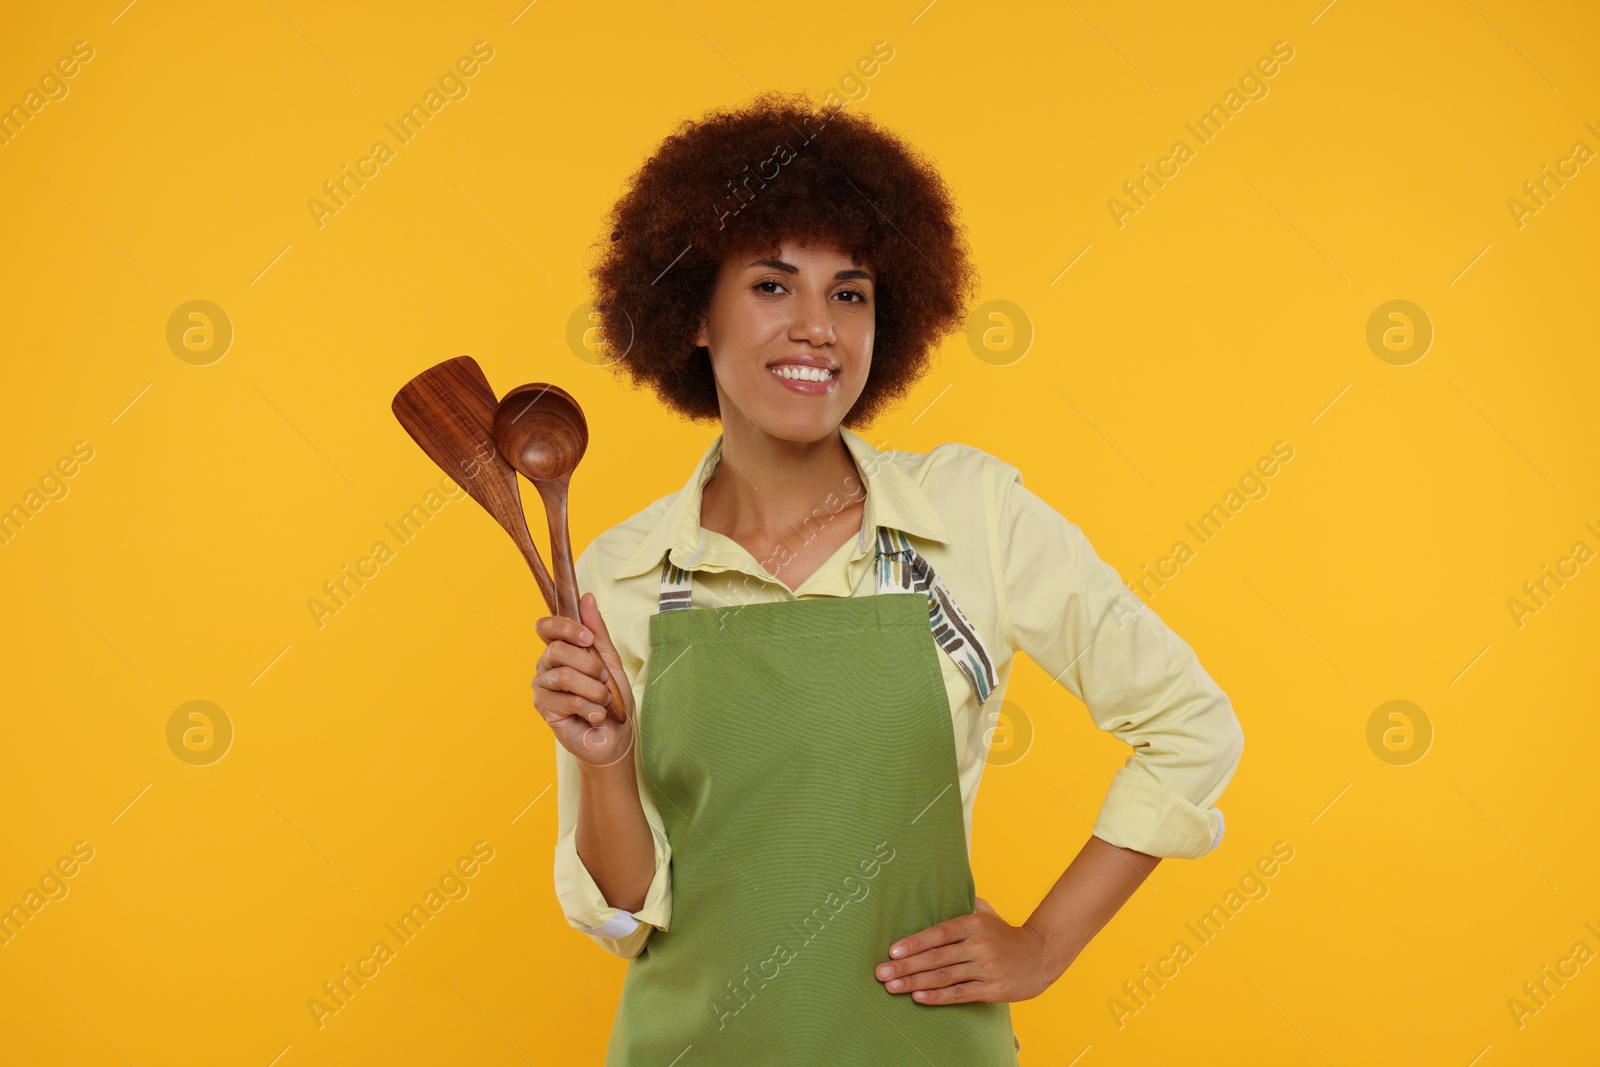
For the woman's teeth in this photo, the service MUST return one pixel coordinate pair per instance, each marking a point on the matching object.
(804, 374)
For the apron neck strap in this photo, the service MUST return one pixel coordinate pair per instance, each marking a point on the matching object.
(900, 569)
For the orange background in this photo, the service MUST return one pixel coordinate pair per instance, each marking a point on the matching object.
(373, 749)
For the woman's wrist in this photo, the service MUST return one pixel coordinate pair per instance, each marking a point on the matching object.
(1089, 892)
(609, 775)
(1061, 944)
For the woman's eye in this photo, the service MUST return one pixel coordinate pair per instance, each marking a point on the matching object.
(769, 281)
(861, 298)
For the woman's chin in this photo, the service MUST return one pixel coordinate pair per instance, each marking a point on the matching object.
(802, 424)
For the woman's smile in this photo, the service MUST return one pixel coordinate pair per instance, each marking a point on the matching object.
(805, 378)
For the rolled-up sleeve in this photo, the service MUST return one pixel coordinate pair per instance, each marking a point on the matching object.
(1071, 613)
(619, 932)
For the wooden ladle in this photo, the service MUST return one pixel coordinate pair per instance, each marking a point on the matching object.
(541, 431)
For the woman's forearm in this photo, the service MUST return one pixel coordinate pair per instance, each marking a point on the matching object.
(1089, 892)
(613, 836)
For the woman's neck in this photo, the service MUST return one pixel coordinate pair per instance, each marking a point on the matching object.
(765, 487)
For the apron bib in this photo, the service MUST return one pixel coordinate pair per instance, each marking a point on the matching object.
(802, 757)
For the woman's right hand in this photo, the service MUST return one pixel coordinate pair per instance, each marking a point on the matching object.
(570, 690)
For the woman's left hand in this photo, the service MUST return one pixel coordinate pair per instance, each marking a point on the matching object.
(971, 957)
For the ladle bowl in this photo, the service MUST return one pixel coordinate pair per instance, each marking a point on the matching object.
(541, 431)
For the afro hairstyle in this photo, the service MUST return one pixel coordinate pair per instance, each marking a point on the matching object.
(746, 177)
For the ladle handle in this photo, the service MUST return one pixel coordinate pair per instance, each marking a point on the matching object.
(554, 493)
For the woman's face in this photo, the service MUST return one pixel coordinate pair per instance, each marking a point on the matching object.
(780, 320)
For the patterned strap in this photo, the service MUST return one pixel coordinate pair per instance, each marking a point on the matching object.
(675, 586)
(900, 569)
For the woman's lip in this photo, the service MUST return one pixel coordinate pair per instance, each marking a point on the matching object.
(799, 385)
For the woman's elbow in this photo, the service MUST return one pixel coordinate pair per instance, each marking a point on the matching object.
(1229, 744)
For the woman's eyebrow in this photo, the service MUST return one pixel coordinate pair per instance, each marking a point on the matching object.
(790, 268)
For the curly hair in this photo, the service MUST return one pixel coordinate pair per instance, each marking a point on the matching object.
(748, 176)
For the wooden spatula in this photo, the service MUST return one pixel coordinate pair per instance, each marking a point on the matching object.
(449, 409)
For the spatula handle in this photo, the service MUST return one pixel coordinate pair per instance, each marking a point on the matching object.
(530, 552)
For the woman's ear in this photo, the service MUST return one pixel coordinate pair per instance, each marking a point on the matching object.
(700, 338)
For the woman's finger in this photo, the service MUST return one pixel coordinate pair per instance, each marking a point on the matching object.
(561, 654)
(937, 978)
(573, 680)
(944, 933)
(555, 706)
(560, 628)
(932, 959)
(959, 993)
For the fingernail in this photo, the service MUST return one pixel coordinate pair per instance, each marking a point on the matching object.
(585, 636)
(884, 971)
(605, 675)
(897, 951)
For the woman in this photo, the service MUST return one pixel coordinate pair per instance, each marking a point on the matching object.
(776, 830)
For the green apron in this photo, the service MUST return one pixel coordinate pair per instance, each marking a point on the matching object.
(802, 757)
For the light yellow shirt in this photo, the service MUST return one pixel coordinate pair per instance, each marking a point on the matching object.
(1027, 580)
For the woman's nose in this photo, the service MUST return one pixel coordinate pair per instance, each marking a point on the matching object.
(813, 323)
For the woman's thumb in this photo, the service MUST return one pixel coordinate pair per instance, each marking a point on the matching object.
(589, 615)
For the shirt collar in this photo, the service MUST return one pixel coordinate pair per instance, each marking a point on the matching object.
(893, 500)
